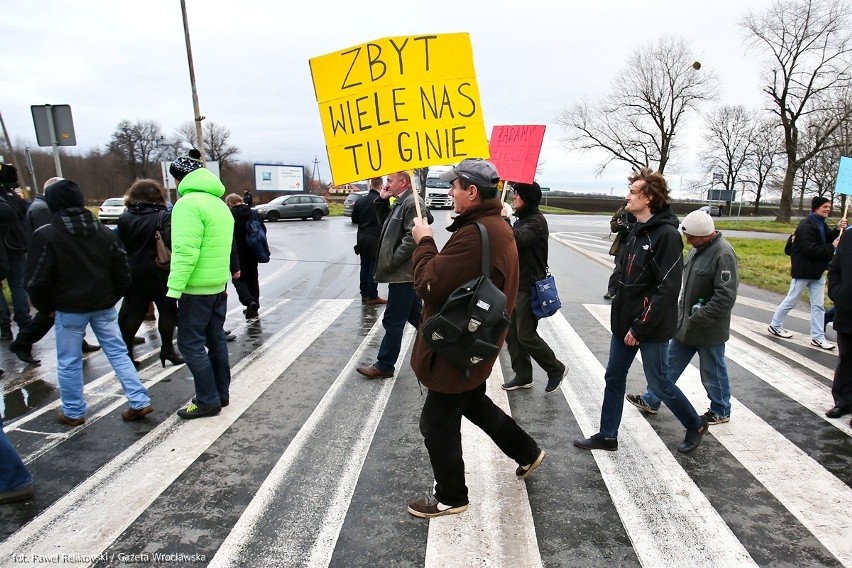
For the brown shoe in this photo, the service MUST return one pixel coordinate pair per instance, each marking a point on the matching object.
(373, 372)
(62, 419)
(376, 301)
(133, 414)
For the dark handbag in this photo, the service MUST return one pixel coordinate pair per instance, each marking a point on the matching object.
(544, 299)
(469, 327)
(163, 256)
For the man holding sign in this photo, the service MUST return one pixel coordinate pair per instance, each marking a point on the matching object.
(393, 265)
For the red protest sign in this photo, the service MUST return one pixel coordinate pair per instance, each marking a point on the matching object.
(515, 149)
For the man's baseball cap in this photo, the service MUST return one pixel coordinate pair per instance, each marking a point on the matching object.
(698, 224)
(477, 171)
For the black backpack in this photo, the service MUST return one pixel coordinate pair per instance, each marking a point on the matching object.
(469, 326)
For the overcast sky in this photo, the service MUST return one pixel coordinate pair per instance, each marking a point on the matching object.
(115, 60)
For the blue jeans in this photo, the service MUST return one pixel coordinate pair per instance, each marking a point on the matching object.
(816, 290)
(714, 374)
(13, 473)
(403, 306)
(20, 298)
(201, 340)
(369, 288)
(70, 329)
(655, 361)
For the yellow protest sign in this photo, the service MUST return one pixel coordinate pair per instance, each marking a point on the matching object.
(398, 103)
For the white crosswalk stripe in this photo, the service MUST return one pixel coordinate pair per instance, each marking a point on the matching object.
(307, 509)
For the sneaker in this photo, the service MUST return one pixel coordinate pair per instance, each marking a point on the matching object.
(780, 332)
(428, 507)
(524, 471)
(554, 380)
(64, 420)
(516, 384)
(132, 414)
(822, 344)
(713, 418)
(193, 410)
(637, 401)
(597, 442)
(20, 494)
(693, 437)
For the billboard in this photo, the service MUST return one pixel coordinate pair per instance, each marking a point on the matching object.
(398, 103)
(275, 177)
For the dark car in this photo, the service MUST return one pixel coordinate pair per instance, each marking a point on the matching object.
(301, 206)
(350, 201)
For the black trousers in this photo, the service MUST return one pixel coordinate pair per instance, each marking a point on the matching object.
(440, 424)
(524, 342)
(841, 387)
(248, 286)
(135, 306)
(32, 332)
(612, 286)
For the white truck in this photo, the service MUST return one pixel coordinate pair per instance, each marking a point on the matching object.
(437, 191)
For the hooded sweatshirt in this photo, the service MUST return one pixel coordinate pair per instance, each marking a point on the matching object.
(646, 300)
(202, 233)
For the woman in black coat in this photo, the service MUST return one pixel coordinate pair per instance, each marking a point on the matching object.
(146, 213)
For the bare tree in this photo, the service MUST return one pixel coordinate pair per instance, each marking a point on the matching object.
(138, 147)
(216, 145)
(765, 149)
(636, 123)
(727, 142)
(809, 46)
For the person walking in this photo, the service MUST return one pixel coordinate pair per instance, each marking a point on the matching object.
(644, 314)
(393, 265)
(453, 393)
(710, 281)
(78, 270)
(145, 214)
(840, 292)
(812, 248)
(621, 224)
(15, 245)
(367, 242)
(247, 197)
(246, 280)
(531, 237)
(202, 235)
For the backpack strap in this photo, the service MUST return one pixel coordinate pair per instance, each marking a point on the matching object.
(486, 251)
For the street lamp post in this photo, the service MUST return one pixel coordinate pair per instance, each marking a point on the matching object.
(198, 118)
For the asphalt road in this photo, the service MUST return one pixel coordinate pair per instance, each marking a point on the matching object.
(312, 465)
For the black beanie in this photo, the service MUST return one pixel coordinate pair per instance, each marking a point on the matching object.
(529, 192)
(63, 194)
(818, 202)
(186, 164)
(8, 175)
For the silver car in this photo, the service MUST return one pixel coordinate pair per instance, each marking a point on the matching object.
(110, 210)
(301, 206)
(351, 199)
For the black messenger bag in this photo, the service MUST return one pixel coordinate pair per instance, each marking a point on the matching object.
(473, 319)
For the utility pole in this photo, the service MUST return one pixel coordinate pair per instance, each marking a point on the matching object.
(195, 108)
(315, 176)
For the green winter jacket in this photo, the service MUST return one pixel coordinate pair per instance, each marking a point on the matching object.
(202, 232)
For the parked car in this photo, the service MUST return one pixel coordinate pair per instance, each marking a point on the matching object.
(302, 206)
(351, 199)
(713, 210)
(110, 210)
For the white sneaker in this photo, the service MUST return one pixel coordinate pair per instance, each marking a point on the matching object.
(822, 344)
(780, 332)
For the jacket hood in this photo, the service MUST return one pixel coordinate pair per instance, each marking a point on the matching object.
(664, 217)
(78, 221)
(201, 180)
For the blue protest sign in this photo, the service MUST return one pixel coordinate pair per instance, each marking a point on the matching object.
(844, 176)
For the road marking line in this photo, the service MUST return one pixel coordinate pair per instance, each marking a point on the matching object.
(682, 522)
(296, 543)
(797, 313)
(114, 496)
(819, 500)
(758, 334)
(498, 528)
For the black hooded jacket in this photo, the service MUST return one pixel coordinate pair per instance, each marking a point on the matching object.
(531, 235)
(811, 251)
(76, 264)
(136, 228)
(646, 300)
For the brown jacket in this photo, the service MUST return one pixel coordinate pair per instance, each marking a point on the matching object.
(437, 274)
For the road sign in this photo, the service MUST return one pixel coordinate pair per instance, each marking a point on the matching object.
(545, 189)
(63, 125)
(718, 178)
